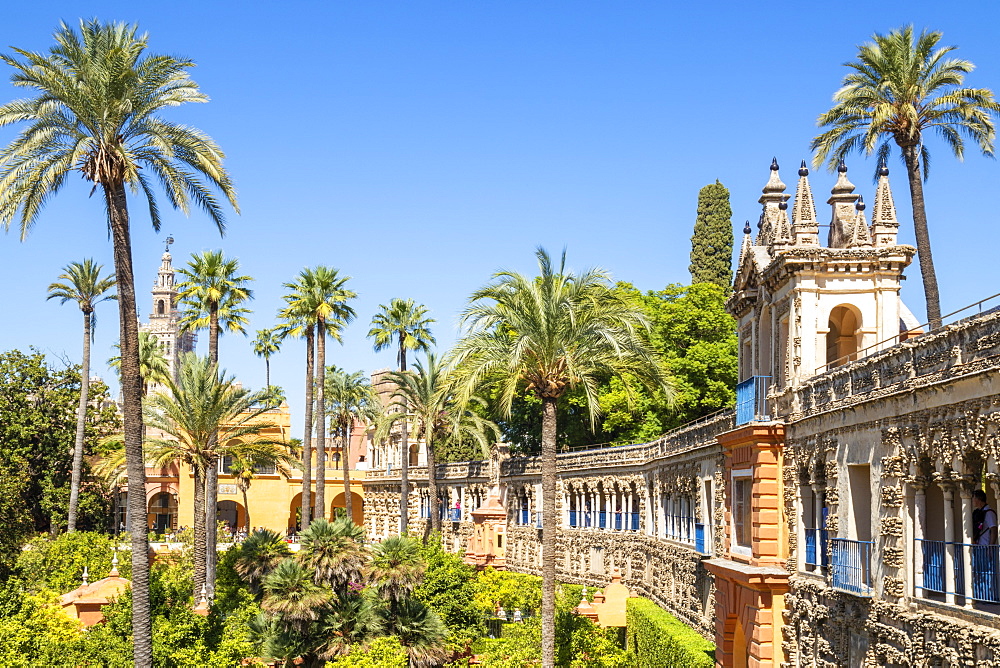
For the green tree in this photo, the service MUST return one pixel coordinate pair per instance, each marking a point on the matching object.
(335, 552)
(57, 563)
(406, 323)
(212, 295)
(98, 96)
(208, 415)
(247, 459)
(902, 86)
(37, 430)
(349, 398)
(84, 285)
(544, 335)
(712, 241)
(427, 394)
(267, 343)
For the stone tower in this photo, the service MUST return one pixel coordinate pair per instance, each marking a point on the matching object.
(164, 318)
(803, 308)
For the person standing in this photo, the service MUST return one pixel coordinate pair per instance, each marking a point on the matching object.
(984, 534)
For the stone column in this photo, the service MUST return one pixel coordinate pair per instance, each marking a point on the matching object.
(919, 532)
(965, 491)
(949, 537)
(805, 492)
(817, 490)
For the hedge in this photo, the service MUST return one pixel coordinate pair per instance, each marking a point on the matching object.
(655, 638)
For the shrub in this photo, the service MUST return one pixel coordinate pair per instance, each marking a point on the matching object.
(384, 652)
(656, 638)
(58, 563)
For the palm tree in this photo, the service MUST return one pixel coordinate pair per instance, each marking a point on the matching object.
(267, 343)
(297, 325)
(153, 367)
(247, 458)
(349, 398)
(85, 286)
(209, 416)
(420, 630)
(396, 568)
(294, 603)
(900, 87)
(438, 417)
(212, 294)
(545, 335)
(98, 96)
(404, 322)
(335, 552)
(260, 554)
(321, 299)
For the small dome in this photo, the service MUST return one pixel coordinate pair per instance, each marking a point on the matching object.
(860, 204)
(842, 167)
(774, 164)
(746, 228)
(803, 170)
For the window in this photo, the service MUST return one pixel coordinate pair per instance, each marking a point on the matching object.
(226, 465)
(265, 469)
(741, 510)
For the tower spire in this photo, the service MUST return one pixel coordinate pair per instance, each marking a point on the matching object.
(885, 227)
(860, 235)
(773, 195)
(805, 227)
(842, 199)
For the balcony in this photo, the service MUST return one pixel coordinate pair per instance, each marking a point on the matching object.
(751, 400)
(984, 567)
(851, 566)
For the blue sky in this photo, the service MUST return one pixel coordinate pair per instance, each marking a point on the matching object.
(419, 146)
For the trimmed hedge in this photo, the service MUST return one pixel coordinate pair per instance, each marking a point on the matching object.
(655, 638)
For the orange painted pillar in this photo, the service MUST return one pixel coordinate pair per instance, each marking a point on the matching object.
(750, 579)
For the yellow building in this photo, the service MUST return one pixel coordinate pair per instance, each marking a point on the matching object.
(273, 498)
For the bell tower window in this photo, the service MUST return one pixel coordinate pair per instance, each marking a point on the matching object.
(160, 307)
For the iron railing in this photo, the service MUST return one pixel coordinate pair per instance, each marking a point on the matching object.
(538, 520)
(851, 566)
(985, 568)
(751, 400)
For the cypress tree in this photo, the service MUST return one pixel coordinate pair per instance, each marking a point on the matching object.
(712, 241)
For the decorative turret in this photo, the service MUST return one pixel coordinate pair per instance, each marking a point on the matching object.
(860, 236)
(747, 242)
(842, 201)
(885, 227)
(805, 226)
(774, 194)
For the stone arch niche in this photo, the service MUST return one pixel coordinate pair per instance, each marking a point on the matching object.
(160, 307)
(843, 339)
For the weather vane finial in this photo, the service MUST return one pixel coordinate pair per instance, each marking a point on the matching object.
(169, 240)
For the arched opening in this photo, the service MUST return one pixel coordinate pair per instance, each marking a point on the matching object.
(232, 513)
(843, 340)
(160, 307)
(338, 507)
(415, 454)
(162, 512)
(295, 514)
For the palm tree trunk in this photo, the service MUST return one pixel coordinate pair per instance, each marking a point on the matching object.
(212, 472)
(200, 539)
(931, 295)
(345, 455)
(267, 372)
(246, 508)
(81, 423)
(320, 418)
(432, 482)
(131, 391)
(548, 532)
(307, 436)
(404, 464)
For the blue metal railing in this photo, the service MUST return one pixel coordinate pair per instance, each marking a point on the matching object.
(634, 524)
(699, 539)
(814, 558)
(602, 520)
(524, 517)
(455, 514)
(572, 518)
(751, 400)
(538, 520)
(985, 569)
(618, 521)
(850, 566)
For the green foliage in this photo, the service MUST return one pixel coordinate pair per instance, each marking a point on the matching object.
(579, 644)
(384, 652)
(712, 241)
(38, 408)
(656, 638)
(36, 630)
(509, 590)
(58, 563)
(449, 587)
